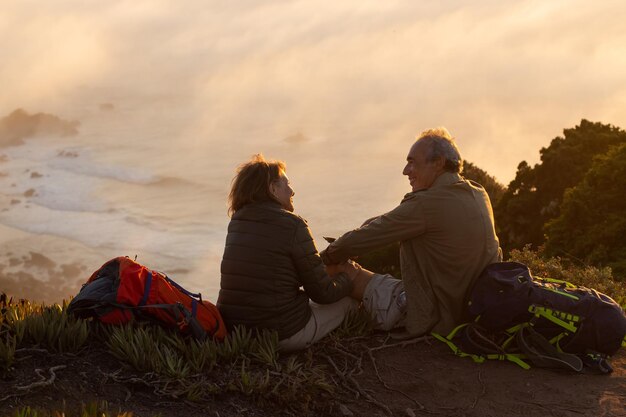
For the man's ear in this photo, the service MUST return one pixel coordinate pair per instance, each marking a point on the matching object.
(440, 163)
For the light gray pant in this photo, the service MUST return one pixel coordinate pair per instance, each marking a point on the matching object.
(384, 298)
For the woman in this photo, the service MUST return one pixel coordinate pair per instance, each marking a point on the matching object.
(272, 275)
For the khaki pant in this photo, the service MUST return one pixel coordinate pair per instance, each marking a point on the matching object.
(384, 299)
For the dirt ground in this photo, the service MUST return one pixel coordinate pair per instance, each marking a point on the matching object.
(421, 378)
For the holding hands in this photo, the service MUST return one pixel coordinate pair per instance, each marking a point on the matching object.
(349, 267)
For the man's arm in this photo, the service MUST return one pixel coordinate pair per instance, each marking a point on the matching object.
(404, 222)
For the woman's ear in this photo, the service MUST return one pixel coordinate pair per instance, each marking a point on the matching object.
(273, 188)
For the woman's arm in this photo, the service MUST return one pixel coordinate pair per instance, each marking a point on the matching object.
(321, 287)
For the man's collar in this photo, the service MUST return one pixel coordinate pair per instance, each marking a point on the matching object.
(447, 178)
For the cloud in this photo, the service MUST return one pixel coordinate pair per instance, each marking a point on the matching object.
(369, 73)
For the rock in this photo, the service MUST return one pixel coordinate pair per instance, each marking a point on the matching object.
(67, 154)
(19, 125)
(70, 270)
(40, 261)
(35, 174)
(15, 201)
(409, 412)
(29, 193)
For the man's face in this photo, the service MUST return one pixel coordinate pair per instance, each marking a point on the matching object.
(421, 173)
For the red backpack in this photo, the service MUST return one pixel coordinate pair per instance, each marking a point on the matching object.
(122, 289)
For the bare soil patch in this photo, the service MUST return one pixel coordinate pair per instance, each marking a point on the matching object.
(419, 378)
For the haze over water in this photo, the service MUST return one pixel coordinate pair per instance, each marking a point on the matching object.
(172, 96)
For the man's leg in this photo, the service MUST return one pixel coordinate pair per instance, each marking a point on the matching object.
(324, 319)
(385, 299)
(360, 283)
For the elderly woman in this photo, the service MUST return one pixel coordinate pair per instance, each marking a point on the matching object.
(272, 275)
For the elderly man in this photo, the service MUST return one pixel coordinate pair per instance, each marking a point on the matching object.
(447, 237)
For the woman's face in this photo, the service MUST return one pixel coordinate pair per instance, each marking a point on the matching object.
(282, 191)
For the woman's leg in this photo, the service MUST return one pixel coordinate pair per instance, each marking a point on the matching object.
(324, 319)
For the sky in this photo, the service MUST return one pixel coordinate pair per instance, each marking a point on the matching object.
(351, 80)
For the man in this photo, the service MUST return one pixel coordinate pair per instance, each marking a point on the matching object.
(447, 237)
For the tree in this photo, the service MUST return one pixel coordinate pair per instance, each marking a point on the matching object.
(491, 185)
(534, 197)
(592, 221)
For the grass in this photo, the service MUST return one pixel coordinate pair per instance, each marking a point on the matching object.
(93, 409)
(246, 363)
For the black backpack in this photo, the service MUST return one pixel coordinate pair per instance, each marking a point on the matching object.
(551, 323)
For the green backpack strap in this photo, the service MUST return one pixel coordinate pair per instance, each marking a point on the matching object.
(479, 358)
(566, 284)
(566, 321)
(457, 351)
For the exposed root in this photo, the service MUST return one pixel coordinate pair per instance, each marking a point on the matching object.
(482, 391)
(31, 350)
(373, 360)
(43, 382)
(402, 344)
(342, 376)
(348, 380)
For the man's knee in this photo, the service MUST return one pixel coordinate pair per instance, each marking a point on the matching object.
(385, 299)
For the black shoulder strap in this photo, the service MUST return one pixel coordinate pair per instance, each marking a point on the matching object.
(542, 354)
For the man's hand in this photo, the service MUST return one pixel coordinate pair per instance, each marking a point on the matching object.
(326, 258)
(350, 268)
(333, 269)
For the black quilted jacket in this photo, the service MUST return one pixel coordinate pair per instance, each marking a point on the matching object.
(271, 269)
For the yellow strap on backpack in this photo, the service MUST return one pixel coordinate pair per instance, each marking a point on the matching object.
(513, 357)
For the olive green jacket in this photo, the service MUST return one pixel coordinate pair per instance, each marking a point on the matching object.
(447, 237)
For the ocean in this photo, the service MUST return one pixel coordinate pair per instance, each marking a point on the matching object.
(171, 99)
(134, 183)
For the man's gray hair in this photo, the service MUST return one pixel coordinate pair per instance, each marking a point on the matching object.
(441, 145)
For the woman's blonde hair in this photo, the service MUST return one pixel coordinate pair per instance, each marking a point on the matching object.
(252, 182)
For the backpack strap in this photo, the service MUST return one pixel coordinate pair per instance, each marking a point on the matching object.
(543, 354)
(197, 296)
(596, 363)
(457, 351)
(178, 311)
(566, 321)
(146, 289)
(565, 284)
(480, 358)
